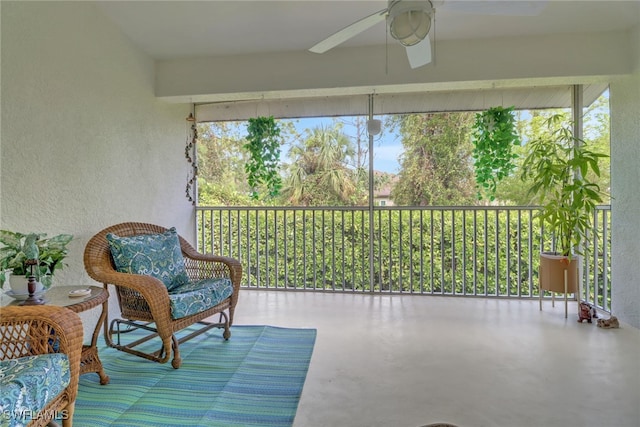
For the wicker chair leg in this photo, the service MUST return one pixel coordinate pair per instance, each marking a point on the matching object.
(232, 310)
(68, 420)
(177, 360)
(160, 356)
(227, 333)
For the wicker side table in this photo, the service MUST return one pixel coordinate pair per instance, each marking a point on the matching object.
(59, 295)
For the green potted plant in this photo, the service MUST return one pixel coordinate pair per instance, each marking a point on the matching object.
(560, 168)
(17, 248)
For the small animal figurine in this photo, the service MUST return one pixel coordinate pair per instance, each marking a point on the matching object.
(609, 323)
(586, 312)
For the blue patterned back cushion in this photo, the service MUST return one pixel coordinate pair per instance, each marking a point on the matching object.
(156, 255)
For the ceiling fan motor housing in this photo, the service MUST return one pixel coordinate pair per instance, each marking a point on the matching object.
(410, 21)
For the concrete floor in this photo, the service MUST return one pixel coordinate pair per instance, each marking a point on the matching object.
(407, 360)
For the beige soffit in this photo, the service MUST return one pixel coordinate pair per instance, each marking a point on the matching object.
(435, 101)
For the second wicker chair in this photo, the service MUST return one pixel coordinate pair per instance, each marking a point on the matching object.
(145, 301)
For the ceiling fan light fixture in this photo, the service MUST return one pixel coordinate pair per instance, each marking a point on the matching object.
(410, 21)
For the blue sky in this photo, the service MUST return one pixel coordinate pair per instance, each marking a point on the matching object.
(387, 146)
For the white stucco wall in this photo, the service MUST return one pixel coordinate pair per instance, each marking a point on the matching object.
(85, 142)
(625, 207)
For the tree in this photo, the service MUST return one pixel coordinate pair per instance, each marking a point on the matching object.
(319, 173)
(221, 160)
(436, 166)
(359, 162)
(597, 134)
(512, 190)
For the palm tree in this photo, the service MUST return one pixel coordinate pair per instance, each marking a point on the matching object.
(319, 173)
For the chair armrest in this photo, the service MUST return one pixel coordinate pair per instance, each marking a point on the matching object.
(204, 266)
(152, 290)
(43, 329)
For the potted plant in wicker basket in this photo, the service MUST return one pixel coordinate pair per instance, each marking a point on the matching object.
(17, 248)
(560, 167)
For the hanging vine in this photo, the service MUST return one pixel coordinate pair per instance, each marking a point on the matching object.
(263, 145)
(189, 154)
(494, 135)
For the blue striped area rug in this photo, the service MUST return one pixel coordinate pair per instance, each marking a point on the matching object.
(254, 379)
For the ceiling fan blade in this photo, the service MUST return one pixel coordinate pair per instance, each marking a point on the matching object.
(419, 54)
(493, 7)
(349, 31)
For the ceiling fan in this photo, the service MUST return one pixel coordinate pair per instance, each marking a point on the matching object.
(410, 22)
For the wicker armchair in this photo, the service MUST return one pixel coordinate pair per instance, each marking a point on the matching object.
(44, 329)
(144, 300)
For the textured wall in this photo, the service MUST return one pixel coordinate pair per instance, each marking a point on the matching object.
(85, 143)
(625, 178)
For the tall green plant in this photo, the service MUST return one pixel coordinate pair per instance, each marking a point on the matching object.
(263, 146)
(558, 165)
(494, 135)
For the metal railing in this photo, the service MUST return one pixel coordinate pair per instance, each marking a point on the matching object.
(458, 251)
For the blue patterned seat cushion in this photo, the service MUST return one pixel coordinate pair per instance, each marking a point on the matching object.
(197, 296)
(27, 384)
(156, 255)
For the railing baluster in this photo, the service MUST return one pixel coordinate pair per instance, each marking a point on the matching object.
(400, 257)
(285, 230)
(324, 252)
(432, 263)
(304, 248)
(276, 249)
(342, 233)
(258, 250)
(453, 252)
(531, 250)
(410, 251)
(333, 250)
(496, 253)
(464, 252)
(519, 244)
(294, 257)
(486, 251)
(475, 252)
(313, 248)
(363, 249)
(248, 262)
(605, 259)
(377, 283)
(508, 262)
(421, 251)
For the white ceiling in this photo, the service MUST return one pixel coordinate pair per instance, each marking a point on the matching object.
(180, 29)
